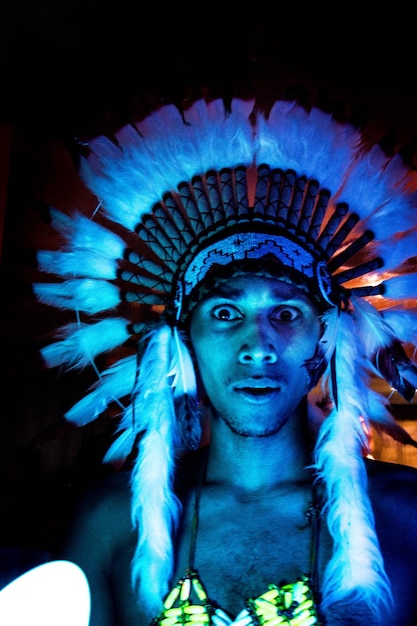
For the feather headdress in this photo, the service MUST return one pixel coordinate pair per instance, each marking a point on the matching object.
(184, 194)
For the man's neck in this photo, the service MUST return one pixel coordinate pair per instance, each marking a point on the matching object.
(259, 463)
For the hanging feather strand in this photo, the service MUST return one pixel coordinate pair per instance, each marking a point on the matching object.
(155, 508)
(355, 570)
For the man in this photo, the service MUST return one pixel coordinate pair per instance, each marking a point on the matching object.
(248, 261)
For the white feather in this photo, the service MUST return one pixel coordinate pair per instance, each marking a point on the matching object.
(155, 512)
(324, 153)
(77, 263)
(155, 363)
(83, 342)
(401, 287)
(330, 320)
(165, 152)
(374, 189)
(121, 448)
(157, 373)
(184, 385)
(378, 338)
(116, 382)
(84, 294)
(396, 249)
(403, 323)
(182, 368)
(155, 509)
(82, 233)
(374, 330)
(356, 567)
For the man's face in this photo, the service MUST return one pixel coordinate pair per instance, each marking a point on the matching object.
(251, 337)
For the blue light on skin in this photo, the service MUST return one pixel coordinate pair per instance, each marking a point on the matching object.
(251, 338)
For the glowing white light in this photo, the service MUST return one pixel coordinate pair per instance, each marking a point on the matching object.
(52, 594)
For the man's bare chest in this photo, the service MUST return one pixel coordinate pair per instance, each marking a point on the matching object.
(240, 546)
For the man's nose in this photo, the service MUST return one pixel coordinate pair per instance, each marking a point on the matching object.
(258, 346)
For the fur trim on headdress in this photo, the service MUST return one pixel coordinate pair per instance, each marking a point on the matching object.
(355, 570)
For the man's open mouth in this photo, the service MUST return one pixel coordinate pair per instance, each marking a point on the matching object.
(258, 391)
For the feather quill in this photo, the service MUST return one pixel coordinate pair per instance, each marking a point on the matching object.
(184, 385)
(182, 368)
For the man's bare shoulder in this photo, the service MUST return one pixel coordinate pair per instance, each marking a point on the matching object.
(105, 505)
(112, 486)
(393, 491)
(397, 478)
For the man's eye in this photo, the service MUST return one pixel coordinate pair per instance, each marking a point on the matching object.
(225, 313)
(287, 314)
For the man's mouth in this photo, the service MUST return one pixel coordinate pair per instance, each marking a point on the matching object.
(257, 391)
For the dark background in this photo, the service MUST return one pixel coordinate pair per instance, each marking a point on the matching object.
(70, 69)
(67, 62)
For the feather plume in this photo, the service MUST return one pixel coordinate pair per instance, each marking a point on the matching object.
(84, 294)
(81, 343)
(155, 509)
(325, 152)
(403, 323)
(385, 352)
(176, 376)
(182, 368)
(374, 185)
(394, 365)
(384, 421)
(115, 383)
(162, 151)
(77, 263)
(154, 366)
(397, 248)
(326, 346)
(356, 568)
(82, 233)
(387, 424)
(394, 430)
(400, 287)
(184, 387)
(120, 449)
(373, 328)
(155, 513)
